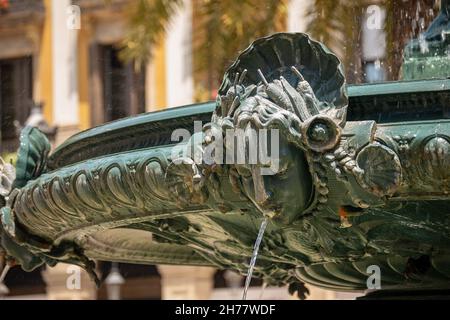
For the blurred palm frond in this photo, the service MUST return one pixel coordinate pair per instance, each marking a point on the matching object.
(147, 22)
(221, 30)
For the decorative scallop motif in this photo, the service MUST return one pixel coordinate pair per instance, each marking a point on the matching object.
(275, 56)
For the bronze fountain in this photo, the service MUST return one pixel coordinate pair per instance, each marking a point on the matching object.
(362, 177)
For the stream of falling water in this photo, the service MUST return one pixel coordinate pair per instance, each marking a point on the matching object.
(4, 273)
(254, 256)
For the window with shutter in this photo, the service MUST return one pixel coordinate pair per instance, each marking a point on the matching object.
(123, 86)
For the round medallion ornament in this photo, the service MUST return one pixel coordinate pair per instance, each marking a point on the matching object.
(382, 169)
(320, 133)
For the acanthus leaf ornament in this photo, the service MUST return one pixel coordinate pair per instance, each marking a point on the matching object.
(7, 177)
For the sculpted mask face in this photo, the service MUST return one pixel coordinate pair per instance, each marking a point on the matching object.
(301, 94)
(284, 194)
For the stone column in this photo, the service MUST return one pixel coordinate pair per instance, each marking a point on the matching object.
(179, 77)
(68, 282)
(65, 86)
(186, 283)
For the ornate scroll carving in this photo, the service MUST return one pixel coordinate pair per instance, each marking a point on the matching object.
(345, 194)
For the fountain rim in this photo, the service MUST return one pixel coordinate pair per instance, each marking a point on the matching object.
(91, 136)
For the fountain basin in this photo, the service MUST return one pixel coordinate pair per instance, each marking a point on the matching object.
(377, 194)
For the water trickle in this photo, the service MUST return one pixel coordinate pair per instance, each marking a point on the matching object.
(4, 273)
(262, 228)
(263, 288)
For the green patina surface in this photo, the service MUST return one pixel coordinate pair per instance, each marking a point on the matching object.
(428, 57)
(364, 180)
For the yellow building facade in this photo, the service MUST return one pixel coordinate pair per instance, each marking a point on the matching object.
(75, 71)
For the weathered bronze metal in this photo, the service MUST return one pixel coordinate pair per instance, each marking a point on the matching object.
(364, 180)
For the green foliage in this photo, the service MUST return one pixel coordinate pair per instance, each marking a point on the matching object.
(148, 20)
(337, 24)
(221, 30)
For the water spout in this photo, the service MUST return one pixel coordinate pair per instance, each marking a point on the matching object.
(4, 273)
(262, 228)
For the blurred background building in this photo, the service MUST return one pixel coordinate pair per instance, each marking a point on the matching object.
(68, 65)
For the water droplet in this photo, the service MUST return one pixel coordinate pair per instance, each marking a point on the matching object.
(254, 256)
(377, 64)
